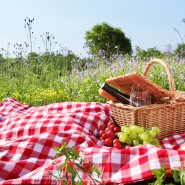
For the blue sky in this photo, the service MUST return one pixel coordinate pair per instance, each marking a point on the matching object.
(148, 23)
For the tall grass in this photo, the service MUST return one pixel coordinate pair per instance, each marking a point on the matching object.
(41, 82)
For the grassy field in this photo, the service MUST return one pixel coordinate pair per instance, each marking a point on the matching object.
(43, 82)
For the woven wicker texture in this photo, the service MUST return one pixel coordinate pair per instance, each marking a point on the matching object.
(179, 96)
(169, 116)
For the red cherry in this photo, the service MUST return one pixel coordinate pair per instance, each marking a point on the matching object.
(116, 141)
(108, 142)
(109, 124)
(112, 127)
(110, 134)
(117, 145)
(107, 129)
(101, 132)
(117, 129)
(104, 136)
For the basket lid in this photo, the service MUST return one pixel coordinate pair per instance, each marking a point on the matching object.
(125, 83)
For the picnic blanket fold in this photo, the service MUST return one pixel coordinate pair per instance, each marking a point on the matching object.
(29, 134)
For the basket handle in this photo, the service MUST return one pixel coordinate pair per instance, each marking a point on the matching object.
(168, 70)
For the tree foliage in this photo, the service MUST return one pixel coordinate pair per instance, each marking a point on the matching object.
(149, 53)
(104, 39)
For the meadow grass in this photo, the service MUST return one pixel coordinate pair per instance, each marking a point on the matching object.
(39, 83)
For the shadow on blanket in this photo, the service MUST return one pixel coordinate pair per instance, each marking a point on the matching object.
(28, 136)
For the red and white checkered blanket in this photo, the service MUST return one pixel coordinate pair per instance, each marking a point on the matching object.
(28, 136)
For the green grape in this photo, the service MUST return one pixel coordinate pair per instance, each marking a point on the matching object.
(133, 135)
(123, 127)
(156, 129)
(144, 136)
(126, 130)
(155, 141)
(139, 136)
(147, 131)
(128, 141)
(150, 139)
(134, 128)
(119, 133)
(140, 130)
(123, 137)
(146, 142)
(152, 133)
(136, 142)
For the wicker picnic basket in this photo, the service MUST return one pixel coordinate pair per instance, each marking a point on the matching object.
(167, 110)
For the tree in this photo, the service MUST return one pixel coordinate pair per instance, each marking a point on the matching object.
(103, 38)
(149, 53)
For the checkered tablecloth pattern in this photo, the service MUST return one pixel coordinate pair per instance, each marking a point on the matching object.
(28, 136)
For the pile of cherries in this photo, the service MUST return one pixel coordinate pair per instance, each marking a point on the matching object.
(108, 134)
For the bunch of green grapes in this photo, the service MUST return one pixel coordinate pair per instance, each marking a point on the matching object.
(135, 135)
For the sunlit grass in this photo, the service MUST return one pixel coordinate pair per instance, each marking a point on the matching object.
(43, 84)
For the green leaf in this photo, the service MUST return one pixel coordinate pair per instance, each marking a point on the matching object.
(82, 168)
(74, 152)
(160, 175)
(79, 183)
(56, 177)
(96, 170)
(73, 172)
(157, 173)
(56, 148)
(182, 177)
(67, 177)
(176, 175)
(64, 165)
